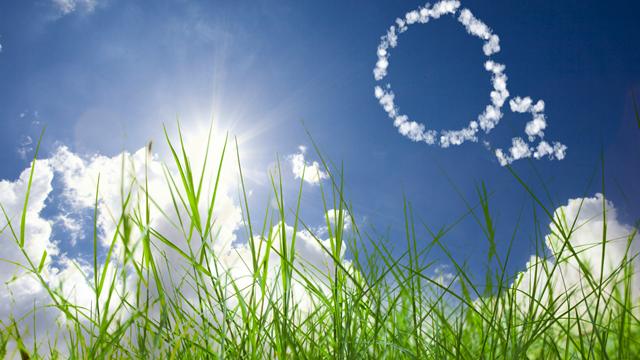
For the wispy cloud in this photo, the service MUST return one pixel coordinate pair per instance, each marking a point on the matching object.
(25, 147)
(310, 172)
(72, 226)
(492, 114)
(69, 6)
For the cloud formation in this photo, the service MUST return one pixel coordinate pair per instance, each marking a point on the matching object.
(568, 286)
(20, 293)
(334, 214)
(490, 117)
(309, 172)
(70, 181)
(69, 6)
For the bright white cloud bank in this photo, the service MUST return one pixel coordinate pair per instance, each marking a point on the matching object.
(310, 172)
(490, 117)
(75, 179)
(568, 285)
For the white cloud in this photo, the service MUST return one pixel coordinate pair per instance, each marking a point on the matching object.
(536, 126)
(311, 172)
(333, 214)
(479, 29)
(490, 117)
(521, 150)
(25, 147)
(72, 226)
(69, 6)
(78, 177)
(568, 284)
(20, 293)
(121, 175)
(312, 259)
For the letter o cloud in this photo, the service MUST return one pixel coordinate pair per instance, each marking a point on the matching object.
(536, 146)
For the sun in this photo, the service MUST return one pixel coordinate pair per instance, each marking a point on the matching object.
(210, 135)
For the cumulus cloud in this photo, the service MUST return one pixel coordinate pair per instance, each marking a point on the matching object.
(492, 114)
(568, 286)
(335, 214)
(20, 292)
(311, 173)
(312, 259)
(77, 180)
(126, 176)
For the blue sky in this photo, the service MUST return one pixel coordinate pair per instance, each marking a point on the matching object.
(104, 76)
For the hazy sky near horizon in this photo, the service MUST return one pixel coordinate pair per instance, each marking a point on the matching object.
(103, 76)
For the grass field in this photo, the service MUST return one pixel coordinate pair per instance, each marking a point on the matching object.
(360, 300)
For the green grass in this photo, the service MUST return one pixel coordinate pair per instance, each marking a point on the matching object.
(372, 301)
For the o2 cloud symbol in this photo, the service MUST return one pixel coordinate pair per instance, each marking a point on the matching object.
(534, 146)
